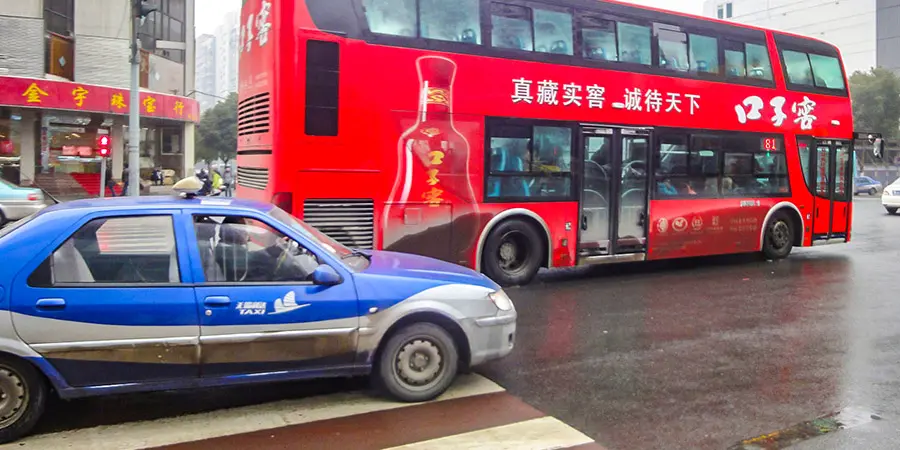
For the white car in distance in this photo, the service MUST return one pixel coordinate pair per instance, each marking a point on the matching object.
(890, 197)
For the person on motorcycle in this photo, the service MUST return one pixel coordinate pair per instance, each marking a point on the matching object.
(203, 176)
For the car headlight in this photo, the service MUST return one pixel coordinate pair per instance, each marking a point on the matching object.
(501, 300)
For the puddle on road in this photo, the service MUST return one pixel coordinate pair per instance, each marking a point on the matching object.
(846, 418)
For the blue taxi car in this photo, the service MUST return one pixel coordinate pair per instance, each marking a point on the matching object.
(121, 295)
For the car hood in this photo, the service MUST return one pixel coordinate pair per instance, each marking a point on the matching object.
(415, 266)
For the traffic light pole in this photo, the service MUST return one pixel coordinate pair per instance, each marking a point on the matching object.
(102, 177)
(134, 120)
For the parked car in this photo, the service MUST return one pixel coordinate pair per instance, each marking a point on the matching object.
(126, 294)
(890, 198)
(18, 202)
(866, 185)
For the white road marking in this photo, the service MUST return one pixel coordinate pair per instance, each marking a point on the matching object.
(174, 430)
(537, 434)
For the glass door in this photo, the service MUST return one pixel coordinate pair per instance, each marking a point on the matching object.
(830, 166)
(614, 191)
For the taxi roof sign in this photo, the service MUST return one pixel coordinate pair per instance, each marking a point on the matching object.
(188, 187)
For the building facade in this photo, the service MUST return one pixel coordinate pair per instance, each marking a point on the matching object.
(206, 71)
(64, 81)
(867, 32)
(227, 53)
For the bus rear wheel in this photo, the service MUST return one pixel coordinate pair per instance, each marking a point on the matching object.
(779, 238)
(512, 253)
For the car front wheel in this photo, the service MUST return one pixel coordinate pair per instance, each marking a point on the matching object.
(873, 191)
(418, 363)
(23, 395)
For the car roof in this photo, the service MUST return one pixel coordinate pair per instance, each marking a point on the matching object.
(149, 203)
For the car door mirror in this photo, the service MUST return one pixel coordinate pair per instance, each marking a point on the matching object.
(325, 275)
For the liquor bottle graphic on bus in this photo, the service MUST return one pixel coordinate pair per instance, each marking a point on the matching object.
(432, 188)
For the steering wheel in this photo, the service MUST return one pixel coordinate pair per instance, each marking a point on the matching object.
(634, 169)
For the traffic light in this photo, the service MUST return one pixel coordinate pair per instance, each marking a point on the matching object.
(103, 146)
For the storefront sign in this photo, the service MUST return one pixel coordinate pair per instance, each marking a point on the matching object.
(49, 94)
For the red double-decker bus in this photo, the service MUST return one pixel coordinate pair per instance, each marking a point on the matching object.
(512, 135)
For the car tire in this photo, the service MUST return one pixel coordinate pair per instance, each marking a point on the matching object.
(407, 359)
(2, 219)
(512, 253)
(778, 240)
(23, 396)
(891, 211)
(873, 191)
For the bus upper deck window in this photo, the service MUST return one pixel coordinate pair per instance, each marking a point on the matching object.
(395, 17)
(758, 65)
(704, 54)
(599, 37)
(827, 71)
(457, 21)
(673, 48)
(511, 27)
(553, 31)
(798, 69)
(634, 43)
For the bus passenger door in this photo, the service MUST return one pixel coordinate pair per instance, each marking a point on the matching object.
(831, 168)
(614, 192)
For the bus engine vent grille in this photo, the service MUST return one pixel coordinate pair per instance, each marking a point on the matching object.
(253, 115)
(253, 177)
(349, 221)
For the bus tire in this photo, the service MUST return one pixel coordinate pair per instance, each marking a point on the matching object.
(891, 211)
(512, 253)
(778, 240)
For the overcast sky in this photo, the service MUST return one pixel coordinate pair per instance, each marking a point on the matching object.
(210, 12)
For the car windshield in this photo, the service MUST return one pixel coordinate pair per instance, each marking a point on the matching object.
(338, 250)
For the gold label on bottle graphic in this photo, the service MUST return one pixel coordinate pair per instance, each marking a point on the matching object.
(438, 96)
(431, 132)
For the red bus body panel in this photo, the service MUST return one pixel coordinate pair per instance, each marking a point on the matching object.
(380, 100)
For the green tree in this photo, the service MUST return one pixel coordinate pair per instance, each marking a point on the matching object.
(216, 136)
(876, 101)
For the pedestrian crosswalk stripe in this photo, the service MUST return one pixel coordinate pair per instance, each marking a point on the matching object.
(172, 430)
(536, 434)
(474, 413)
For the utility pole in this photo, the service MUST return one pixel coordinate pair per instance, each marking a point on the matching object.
(140, 10)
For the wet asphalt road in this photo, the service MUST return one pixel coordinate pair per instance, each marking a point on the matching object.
(701, 354)
(694, 354)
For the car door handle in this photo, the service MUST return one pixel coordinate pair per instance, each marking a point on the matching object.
(217, 300)
(51, 303)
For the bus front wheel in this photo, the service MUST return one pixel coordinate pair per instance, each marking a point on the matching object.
(512, 253)
(779, 238)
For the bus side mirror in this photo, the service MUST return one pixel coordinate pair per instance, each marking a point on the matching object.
(877, 147)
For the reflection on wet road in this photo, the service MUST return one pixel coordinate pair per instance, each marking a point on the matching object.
(704, 353)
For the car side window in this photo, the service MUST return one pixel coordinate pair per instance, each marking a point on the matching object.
(235, 249)
(111, 250)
